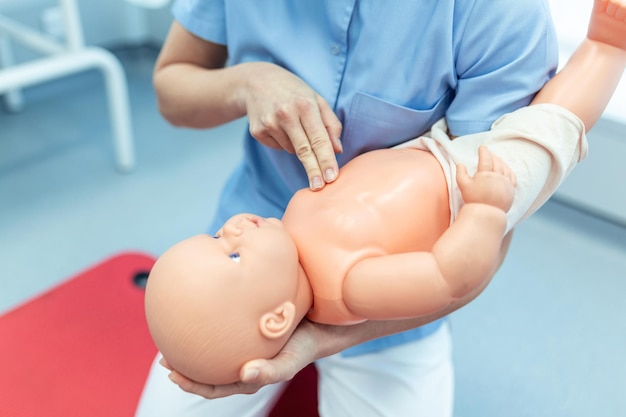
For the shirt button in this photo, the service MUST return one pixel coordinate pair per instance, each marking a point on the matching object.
(334, 50)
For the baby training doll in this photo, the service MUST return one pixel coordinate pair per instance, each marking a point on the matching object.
(401, 233)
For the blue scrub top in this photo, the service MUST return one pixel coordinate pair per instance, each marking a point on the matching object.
(389, 69)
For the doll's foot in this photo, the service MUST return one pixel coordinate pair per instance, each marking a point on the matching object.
(608, 22)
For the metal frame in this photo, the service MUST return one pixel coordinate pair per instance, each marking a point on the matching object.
(63, 58)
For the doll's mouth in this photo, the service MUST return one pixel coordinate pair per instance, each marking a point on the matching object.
(257, 221)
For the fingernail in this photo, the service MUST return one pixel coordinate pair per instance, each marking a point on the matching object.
(250, 374)
(316, 183)
(329, 175)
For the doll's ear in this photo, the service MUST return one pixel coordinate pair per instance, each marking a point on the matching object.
(278, 321)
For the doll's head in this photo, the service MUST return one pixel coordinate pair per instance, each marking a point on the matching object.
(214, 303)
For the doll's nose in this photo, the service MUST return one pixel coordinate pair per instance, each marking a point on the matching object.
(231, 229)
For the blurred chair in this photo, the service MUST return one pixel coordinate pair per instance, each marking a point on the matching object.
(61, 58)
(150, 4)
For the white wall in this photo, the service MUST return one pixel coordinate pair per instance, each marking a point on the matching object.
(112, 22)
(159, 21)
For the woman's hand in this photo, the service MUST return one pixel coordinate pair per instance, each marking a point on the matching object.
(300, 350)
(310, 342)
(285, 113)
(196, 89)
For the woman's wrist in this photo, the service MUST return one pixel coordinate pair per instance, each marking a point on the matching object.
(330, 339)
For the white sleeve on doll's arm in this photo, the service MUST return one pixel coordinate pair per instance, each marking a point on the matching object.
(541, 143)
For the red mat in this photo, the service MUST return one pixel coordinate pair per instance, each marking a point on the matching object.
(300, 397)
(80, 349)
(83, 349)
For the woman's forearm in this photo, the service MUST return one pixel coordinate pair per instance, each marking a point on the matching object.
(333, 339)
(194, 86)
(196, 97)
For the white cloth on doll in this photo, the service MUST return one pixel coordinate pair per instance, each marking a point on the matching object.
(541, 143)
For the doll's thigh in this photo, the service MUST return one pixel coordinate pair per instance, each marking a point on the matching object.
(415, 379)
(162, 398)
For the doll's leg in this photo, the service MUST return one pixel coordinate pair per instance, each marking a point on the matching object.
(413, 379)
(162, 398)
(608, 22)
(585, 85)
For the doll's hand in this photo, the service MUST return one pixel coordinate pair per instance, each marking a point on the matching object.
(493, 183)
(285, 113)
(300, 350)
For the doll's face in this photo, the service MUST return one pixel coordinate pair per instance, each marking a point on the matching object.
(247, 255)
(206, 295)
(259, 248)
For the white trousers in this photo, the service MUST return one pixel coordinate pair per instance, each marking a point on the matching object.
(414, 379)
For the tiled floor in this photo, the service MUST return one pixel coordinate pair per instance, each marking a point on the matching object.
(547, 338)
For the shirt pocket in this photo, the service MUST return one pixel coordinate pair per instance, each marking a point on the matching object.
(374, 123)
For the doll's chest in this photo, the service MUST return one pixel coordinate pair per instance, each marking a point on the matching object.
(329, 243)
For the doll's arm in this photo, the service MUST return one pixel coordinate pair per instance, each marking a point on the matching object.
(585, 85)
(463, 258)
